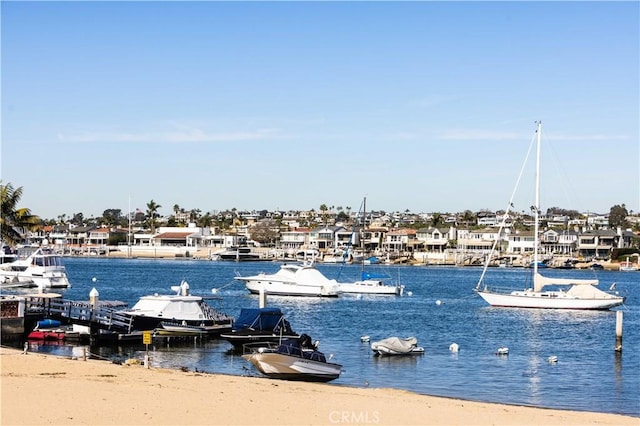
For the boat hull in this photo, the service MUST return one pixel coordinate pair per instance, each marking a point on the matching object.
(282, 366)
(546, 300)
(286, 289)
(293, 280)
(371, 287)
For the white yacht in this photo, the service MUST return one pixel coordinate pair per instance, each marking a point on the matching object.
(293, 280)
(43, 269)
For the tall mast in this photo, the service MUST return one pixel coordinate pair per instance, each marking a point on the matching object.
(537, 202)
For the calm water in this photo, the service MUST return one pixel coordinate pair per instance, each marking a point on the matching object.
(588, 376)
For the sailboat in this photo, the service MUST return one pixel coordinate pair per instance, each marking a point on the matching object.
(369, 283)
(549, 293)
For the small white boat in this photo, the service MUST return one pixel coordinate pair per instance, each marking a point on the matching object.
(175, 329)
(371, 286)
(293, 280)
(292, 359)
(629, 267)
(43, 269)
(503, 350)
(397, 346)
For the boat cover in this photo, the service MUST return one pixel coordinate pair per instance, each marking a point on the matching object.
(396, 344)
(540, 281)
(370, 276)
(260, 319)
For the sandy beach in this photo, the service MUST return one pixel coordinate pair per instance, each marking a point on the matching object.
(40, 389)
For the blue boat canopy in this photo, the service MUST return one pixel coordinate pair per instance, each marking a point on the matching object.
(370, 276)
(258, 319)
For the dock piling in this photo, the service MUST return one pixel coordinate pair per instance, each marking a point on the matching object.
(618, 347)
(263, 298)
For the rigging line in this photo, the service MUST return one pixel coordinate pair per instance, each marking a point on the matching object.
(353, 231)
(506, 213)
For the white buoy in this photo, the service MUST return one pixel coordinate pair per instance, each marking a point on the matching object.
(214, 290)
(552, 359)
(94, 279)
(365, 338)
(454, 347)
(438, 302)
(409, 293)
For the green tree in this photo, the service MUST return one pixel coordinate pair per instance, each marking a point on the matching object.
(618, 216)
(152, 215)
(112, 217)
(325, 216)
(14, 221)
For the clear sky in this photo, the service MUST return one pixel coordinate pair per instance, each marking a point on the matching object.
(426, 106)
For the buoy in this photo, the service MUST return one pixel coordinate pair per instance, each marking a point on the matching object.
(438, 302)
(365, 338)
(502, 351)
(409, 293)
(94, 279)
(552, 359)
(214, 290)
(454, 347)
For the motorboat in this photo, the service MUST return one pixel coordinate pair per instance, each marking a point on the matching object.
(292, 359)
(629, 267)
(371, 284)
(179, 329)
(397, 346)
(238, 254)
(293, 279)
(43, 268)
(546, 292)
(163, 311)
(259, 325)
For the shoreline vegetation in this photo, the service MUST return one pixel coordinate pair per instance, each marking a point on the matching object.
(39, 389)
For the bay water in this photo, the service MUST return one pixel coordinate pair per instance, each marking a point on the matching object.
(439, 308)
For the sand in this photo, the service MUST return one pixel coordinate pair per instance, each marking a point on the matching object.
(40, 389)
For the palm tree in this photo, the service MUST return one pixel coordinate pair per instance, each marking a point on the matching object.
(152, 213)
(325, 215)
(14, 220)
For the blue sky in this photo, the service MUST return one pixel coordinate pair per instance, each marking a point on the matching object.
(426, 106)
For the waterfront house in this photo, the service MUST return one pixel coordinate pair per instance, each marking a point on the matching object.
(436, 239)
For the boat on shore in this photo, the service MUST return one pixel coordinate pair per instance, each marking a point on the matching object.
(292, 280)
(546, 292)
(293, 359)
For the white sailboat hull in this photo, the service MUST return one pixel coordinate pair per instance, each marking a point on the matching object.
(371, 287)
(548, 300)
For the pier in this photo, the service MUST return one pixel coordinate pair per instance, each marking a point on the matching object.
(103, 318)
